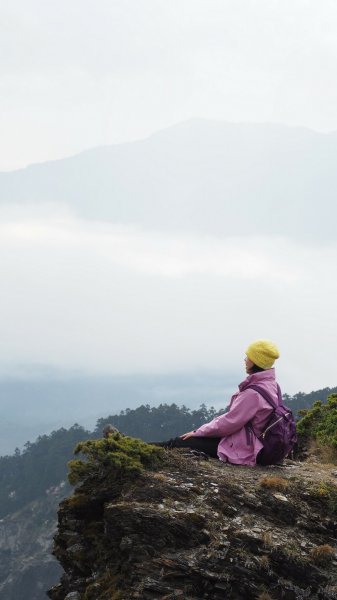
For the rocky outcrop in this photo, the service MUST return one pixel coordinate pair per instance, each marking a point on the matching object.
(27, 567)
(195, 529)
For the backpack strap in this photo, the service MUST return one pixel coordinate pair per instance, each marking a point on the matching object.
(266, 395)
(268, 398)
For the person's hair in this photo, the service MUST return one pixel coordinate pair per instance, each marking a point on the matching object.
(256, 369)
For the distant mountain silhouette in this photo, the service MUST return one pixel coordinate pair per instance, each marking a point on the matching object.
(204, 176)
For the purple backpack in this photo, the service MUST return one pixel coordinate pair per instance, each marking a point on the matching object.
(279, 435)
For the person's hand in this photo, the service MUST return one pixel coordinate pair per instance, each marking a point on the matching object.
(185, 436)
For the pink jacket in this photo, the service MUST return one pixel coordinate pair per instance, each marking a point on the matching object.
(239, 445)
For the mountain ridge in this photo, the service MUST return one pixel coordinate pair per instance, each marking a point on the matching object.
(193, 127)
(178, 124)
(218, 178)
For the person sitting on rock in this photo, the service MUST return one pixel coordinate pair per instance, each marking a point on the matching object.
(234, 436)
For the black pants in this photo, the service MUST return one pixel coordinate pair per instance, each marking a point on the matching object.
(208, 445)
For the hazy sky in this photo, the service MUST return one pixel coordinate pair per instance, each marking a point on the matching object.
(105, 298)
(76, 74)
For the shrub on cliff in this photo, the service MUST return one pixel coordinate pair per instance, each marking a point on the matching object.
(112, 459)
(319, 424)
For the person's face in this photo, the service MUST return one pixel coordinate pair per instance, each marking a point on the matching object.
(249, 365)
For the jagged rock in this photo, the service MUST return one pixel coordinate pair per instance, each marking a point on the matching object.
(27, 567)
(200, 530)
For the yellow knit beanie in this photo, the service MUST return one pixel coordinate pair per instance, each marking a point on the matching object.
(263, 353)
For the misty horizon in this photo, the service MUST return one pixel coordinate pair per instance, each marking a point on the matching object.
(181, 196)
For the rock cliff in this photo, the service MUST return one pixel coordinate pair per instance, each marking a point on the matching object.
(169, 526)
(27, 567)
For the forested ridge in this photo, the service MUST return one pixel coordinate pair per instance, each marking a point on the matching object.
(302, 400)
(27, 475)
(34, 471)
(42, 464)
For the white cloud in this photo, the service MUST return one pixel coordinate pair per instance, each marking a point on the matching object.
(158, 254)
(106, 298)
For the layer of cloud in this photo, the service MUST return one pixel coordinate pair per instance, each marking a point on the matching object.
(106, 298)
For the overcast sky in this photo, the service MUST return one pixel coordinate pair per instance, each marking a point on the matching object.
(108, 299)
(77, 74)
(95, 296)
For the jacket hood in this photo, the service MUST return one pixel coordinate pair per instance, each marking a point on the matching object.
(256, 378)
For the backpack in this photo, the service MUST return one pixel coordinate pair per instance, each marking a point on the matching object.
(279, 435)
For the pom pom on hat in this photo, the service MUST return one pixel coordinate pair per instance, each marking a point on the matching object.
(263, 353)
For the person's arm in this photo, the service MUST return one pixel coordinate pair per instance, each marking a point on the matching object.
(242, 411)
